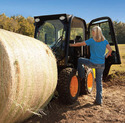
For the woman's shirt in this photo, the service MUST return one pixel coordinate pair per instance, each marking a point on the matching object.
(97, 50)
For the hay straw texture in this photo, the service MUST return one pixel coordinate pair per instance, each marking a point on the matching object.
(28, 76)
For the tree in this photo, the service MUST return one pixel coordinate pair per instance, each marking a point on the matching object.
(120, 32)
(18, 24)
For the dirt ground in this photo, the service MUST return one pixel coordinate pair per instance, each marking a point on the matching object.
(84, 111)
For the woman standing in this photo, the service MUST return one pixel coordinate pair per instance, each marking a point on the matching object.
(98, 46)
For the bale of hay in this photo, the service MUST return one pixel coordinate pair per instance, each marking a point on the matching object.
(28, 76)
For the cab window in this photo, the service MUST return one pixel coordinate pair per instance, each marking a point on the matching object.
(77, 32)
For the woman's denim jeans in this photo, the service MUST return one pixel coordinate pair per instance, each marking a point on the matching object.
(99, 68)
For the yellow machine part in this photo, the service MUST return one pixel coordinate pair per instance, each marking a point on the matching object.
(93, 69)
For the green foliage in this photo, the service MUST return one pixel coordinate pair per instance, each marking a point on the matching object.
(50, 31)
(76, 32)
(106, 31)
(120, 32)
(18, 24)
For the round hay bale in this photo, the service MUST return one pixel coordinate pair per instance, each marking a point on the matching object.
(28, 76)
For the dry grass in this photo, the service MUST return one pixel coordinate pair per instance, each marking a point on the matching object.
(120, 67)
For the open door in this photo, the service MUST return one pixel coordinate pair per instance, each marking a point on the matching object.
(107, 27)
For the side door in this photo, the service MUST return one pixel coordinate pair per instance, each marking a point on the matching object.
(76, 33)
(107, 27)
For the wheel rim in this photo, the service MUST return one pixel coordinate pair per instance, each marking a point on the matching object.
(90, 81)
(74, 86)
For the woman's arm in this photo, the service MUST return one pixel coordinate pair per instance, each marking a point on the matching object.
(110, 50)
(78, 44)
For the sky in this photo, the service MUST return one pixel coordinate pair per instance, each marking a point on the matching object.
(86, 9)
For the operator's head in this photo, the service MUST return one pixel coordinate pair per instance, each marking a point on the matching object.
(97, 34)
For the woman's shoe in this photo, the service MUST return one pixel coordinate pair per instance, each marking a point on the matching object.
(95, 103)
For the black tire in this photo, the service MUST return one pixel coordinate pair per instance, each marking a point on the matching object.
(64, 87)
(87, 83)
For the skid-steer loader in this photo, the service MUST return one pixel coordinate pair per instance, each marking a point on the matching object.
(58, 31)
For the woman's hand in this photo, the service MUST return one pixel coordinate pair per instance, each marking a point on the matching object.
(107, 55)
(71, 45)
(78, 44)
(110, 51)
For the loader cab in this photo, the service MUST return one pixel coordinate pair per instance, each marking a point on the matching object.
(57, 31)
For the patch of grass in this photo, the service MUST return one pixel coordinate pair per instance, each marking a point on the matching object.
(120, 67)
(123, 57)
